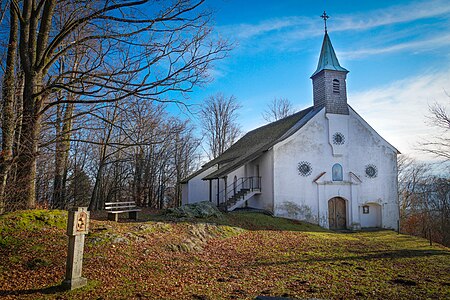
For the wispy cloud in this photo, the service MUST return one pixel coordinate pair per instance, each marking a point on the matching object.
(392, 15)
(245, 31)
(415, 46)
(398, 111)
(287, 32)
(362, 21)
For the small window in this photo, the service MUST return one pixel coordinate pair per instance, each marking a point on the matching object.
(338, 138)
(336, 86)
(337, 172)
(365, 209)
(304, 168)
(371, 171)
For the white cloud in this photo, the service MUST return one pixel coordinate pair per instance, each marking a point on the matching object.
(414, 46)
(287, 32)
(245, 31)
(398, 111)
(393, 15)
(303, 27)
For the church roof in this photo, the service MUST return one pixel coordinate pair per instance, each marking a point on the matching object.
(328, 59)
(256, 142)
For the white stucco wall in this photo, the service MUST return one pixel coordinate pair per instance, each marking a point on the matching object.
(301, 197)
(184, 193)
(369, 148)
(197, 190)
(373, 216)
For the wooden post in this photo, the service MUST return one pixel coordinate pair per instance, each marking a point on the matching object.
(77, 228)
(226, 192)
(210, 190)
(218, 190)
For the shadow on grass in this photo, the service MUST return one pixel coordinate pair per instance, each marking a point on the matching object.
(370, 256)
(47, 291)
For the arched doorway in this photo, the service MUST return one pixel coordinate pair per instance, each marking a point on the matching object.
(337, 213)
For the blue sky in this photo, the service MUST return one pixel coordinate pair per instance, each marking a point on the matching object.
(397, 52)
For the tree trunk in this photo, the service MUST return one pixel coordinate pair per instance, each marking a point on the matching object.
(137, 182)
(62, 157)
(26, 161)
(93, 205)
(95, 191)
(58, 176)
(8, 98)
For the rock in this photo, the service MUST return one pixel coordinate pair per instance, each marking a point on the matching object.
(202, 209)
(96, 240)
(200, 232)
(134, 237)
(154, 227)
(120, 240)
(187, 245)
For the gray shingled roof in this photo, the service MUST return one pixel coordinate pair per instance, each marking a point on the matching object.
(255, 143)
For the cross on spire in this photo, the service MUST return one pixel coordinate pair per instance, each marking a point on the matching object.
(325, 17)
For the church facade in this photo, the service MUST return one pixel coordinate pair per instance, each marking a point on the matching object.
(324, 165)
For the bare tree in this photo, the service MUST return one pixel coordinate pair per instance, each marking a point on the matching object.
(8, 104)
(218, 118)
(439, 145)
(411, 179)
(151, 50)
(277, 109)
(424, 200)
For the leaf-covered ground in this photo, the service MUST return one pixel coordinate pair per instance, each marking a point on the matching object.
(239, 256)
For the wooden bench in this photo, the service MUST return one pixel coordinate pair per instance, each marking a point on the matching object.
(116, 208)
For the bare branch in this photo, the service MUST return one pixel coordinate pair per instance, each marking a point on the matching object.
(277, 109)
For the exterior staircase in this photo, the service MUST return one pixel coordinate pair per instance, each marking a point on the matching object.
(248, 187)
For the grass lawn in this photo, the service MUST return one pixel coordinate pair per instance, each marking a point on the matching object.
(238, 256)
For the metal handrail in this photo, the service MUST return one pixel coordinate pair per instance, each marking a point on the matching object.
(252, 183)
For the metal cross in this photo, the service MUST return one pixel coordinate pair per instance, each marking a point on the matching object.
(325, 17)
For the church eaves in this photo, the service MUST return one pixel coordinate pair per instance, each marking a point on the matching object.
(328, 59)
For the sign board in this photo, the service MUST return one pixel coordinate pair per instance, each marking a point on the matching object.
(78, 222)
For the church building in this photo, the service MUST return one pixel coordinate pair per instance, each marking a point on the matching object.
(324, 164)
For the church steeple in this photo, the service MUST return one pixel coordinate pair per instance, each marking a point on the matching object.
(328, 59)
(329, 87)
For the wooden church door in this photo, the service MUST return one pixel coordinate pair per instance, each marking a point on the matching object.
(337, 213)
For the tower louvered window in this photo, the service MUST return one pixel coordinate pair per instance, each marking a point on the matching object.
(335, 86)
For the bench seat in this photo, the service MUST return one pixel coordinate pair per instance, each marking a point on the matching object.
(116, 208)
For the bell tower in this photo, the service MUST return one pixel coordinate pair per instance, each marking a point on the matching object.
(329, 86)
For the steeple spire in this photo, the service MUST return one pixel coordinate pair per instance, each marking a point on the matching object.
(329, 87)
(328, 59)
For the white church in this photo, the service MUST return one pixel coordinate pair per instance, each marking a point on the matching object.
(324, 165)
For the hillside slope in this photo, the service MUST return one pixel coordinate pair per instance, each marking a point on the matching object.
(238, 256)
